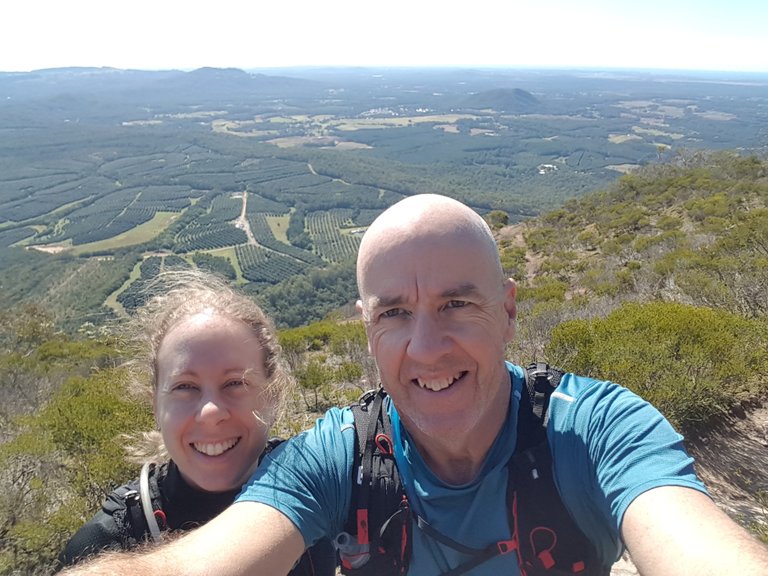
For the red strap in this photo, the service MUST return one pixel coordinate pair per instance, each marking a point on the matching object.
(160, 517)
(362, 526)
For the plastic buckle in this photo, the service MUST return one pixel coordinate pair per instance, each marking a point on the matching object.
(506, 546)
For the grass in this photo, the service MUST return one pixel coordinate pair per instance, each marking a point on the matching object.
(230, 254)
(279, 227)
(138, 235)
(112, 301)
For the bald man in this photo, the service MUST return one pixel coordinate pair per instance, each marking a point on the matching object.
(438, 313)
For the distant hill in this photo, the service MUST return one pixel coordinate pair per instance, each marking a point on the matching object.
(227, 83)
(141, 86)
(503, 100)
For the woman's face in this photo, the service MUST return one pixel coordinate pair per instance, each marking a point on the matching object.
(211, 400)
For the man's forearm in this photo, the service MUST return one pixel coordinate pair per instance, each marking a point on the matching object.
(247, 538)
(673, 531)
(135, 563)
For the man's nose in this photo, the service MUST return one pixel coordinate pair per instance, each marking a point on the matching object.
(429, 340)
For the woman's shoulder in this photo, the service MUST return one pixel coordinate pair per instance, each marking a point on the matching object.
(102, 532)
(111, 528)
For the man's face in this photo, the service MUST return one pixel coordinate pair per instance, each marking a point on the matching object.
(438, 316)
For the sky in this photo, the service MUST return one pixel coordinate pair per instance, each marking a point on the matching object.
(727, 35)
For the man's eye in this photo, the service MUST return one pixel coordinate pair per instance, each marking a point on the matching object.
(392, 313)
(455, 304)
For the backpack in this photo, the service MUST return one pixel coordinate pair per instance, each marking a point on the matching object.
(133, 514)
(144, 520)
(377, 538)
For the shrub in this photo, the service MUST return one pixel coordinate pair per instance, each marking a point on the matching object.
(692, 363)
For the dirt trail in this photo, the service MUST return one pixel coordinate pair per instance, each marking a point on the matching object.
(242, 222)
(733, 462)
(732, 459)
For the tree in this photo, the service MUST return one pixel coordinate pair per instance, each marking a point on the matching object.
(497, 219)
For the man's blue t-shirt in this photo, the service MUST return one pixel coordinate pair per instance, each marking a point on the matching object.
(608, 446)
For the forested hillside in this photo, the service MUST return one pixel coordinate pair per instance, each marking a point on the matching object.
(657, 282)
(108, 175)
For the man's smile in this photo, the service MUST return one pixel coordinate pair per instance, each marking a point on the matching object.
(437, 384)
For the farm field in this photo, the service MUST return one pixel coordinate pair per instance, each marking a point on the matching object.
(271, 177)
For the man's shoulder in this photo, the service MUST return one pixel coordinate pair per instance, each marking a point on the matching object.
(575, 388)
(577, 399)
(570, 386)
(334, 419)
(328, 434)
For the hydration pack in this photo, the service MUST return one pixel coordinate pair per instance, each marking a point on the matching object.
(377, 538)
(144, 519)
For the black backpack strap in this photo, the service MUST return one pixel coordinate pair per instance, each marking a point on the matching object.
(377, 536)
(132, 521)
(534, 518)
(549, 542)
(132, 525)
(377, 492)
(477, 555)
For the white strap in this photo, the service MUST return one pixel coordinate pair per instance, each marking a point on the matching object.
(146, 503)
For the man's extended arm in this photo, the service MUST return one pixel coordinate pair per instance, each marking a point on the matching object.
(675, 531)
(247, 538)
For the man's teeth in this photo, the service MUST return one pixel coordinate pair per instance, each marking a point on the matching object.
(215, 449)
(437, 384)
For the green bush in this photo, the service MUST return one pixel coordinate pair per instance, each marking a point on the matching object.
(64, 462)
(692, 363)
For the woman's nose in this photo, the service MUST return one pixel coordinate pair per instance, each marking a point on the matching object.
(212, 409)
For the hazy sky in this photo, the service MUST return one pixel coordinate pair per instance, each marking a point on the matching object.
(162, 34)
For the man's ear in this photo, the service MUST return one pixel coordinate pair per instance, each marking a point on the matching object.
(510, 306)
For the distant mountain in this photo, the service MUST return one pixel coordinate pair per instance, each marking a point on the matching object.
(231, 80)
(503, 100)
(147, 87)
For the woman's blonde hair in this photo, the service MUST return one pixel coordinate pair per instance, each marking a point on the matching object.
(172, 297)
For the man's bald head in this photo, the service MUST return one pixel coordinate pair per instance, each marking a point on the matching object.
(425, 218)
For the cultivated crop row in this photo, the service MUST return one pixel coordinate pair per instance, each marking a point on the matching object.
(208, 237)
(261, 265)
(325, 230)
(82, 232)
(257, 203)
(263, 235)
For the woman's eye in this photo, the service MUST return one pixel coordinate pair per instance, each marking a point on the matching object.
(238, 382)
(183, 387)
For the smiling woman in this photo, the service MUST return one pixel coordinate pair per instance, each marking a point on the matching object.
(208, 359)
